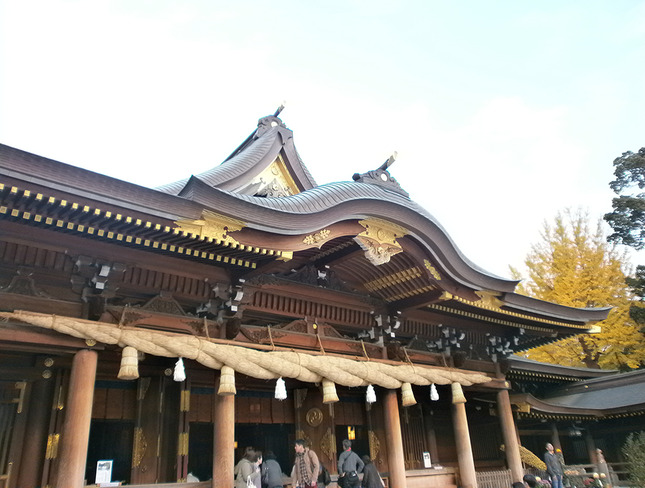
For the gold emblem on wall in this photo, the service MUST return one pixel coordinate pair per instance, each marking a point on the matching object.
(379, 240)
(212, 226)
(314, 417)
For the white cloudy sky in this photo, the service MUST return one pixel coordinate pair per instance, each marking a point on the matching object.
(503, 112)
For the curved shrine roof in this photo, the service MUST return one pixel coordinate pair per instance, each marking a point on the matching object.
(265, 186)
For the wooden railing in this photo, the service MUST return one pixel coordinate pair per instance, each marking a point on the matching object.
(494, 479)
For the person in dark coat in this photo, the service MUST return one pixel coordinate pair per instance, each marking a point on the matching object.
(271, 472)
(553, 466)
(371, 476)
(349, 465)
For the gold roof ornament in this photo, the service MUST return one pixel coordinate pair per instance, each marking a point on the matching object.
(212, 226)
(489, 299)
(379, 240)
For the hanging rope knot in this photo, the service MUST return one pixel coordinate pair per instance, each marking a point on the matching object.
(322, 349)
(407, 358)
(271, 338)
(364, 351)
(206, 328)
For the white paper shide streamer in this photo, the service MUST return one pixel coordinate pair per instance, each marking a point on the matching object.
(180, 372)
(434, 395)
(280, 389)
(370, 396)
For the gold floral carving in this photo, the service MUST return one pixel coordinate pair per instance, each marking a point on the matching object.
(212, 226)
(314, 417)
(328, 444)
(379, 240)
(139, 448)
(317, 239)
(488, 299)
(375, 444)
(433, 271)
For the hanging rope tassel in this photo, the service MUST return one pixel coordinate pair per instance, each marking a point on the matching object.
(280, 389)
(434, 394)
(329, 391)
(180, 371)
(457, 394)
(129, 364)
(407, 397)
(227, 381)
(370, 396)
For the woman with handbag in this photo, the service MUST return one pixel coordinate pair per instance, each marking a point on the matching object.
(349, 465)
(247, 471)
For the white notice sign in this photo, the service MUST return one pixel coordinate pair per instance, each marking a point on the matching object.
(104, 471)
(426, 460)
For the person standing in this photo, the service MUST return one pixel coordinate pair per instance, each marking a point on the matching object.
(248, 469)
(349, 465)
(271, 472)
(306, 467)
(553, 467)
(371, 476)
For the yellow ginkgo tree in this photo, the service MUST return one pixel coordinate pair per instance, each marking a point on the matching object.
(574, 265)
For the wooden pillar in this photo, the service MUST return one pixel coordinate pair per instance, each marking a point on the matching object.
(509, 432)
(75, 435)
(223, 439)
(395, 457)
(591, 447)
(462, 441)
(555, 437)
(35, 444)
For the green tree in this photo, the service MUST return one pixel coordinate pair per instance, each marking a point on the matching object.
(628, 218)
(574, 265)
(634, 452)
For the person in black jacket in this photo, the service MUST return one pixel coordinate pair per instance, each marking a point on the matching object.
(349, 465)
(371, 476)
(271, 472)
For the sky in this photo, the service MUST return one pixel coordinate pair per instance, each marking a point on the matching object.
(502, 112)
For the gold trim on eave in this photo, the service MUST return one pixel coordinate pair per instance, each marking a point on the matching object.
(212, 226)
(489, 299)
(393, 279)
(449, 296)
(433, 271)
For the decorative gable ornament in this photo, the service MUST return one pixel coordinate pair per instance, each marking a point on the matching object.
(381, 177)
(379, 240)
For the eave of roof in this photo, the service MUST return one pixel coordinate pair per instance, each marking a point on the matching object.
(598, 397)
(520, 365)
